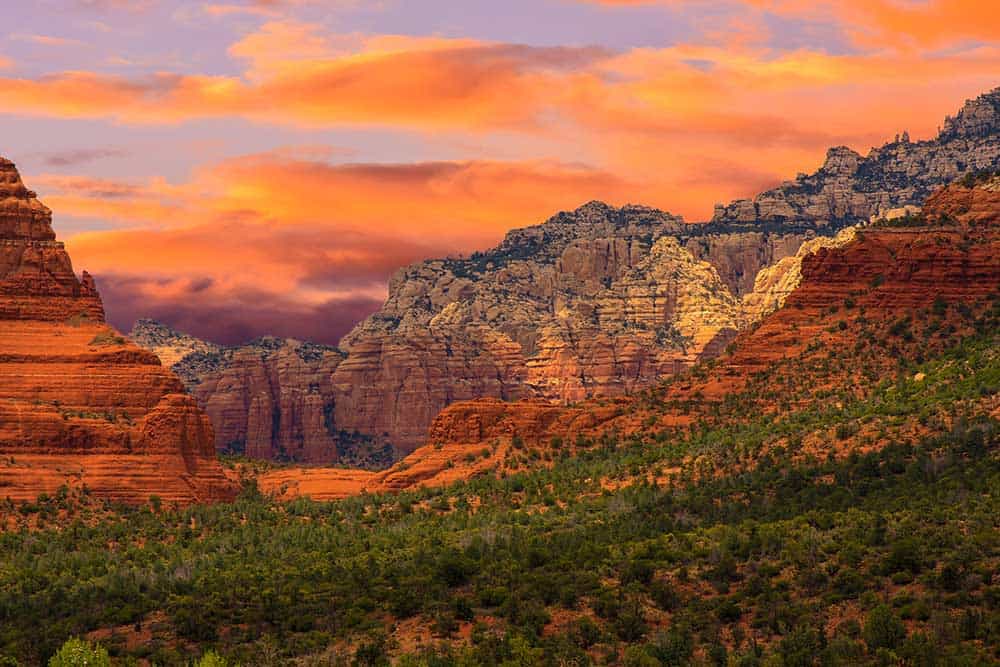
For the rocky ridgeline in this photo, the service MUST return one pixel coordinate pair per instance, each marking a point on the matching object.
(79, 405)
(850, 188)
(171, 346)
(600, 301)
(860, 290)
(596, 302)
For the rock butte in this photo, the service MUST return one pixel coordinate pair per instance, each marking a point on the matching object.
(599, 301)
(79, 405)
(887, 271)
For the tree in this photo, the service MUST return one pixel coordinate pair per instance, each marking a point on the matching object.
(78, 653)
(801, 647)
(883, 629)
(212, 659)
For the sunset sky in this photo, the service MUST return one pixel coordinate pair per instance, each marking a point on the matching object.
(242, 168)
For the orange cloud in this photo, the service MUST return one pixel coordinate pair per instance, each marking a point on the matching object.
(300, 78)
(224, 9)
(927, 23)
(871, 22)
(769, 114)
(464, 204)
(47, 40)
(298, 235)
(652, 117)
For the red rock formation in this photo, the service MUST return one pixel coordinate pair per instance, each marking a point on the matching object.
(273, 403)
(36, 276)
(393, 387)
(885, 273)
(79, 405)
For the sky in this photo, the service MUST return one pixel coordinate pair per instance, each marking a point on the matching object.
(242, 168)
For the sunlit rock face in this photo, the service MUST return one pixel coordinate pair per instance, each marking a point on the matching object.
(79, 405)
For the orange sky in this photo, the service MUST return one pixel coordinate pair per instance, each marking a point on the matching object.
(275, 172)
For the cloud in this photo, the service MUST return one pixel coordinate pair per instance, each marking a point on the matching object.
(228, 9)
(80, 156)
(133, 6)
(925, 23)
(301, 78)
(235, 316)
(47, 40)
(306, 238)
(872, 22)
(657, 118)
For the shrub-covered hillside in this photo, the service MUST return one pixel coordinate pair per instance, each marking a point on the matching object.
(734, 541)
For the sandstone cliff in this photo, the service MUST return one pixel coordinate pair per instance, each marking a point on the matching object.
(79, 405)
(271, 399)
(850, 188)
(856, 296)
(775, 283)
(595, 302)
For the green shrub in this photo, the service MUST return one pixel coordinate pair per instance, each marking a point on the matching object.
(883, 629)
(212, 659)
(800, 647)
(78, 653)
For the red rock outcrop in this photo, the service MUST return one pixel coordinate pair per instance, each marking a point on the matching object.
(272, 398)
(79, 405)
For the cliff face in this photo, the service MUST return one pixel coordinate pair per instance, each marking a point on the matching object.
(269, 399)
(36, 276)
(739, 256)
(850, 188)
(79, 405)
(656, 319)
(595, 302)
(930, 273)
(775, 283)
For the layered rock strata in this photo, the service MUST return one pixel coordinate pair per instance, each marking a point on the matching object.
(269, 399)
(595, 302)
(79, 405)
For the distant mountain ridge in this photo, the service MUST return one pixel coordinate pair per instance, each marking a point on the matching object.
(599, 301)
(850, 188)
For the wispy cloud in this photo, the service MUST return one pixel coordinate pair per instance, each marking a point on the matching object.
(47, 40)
(80, 156)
